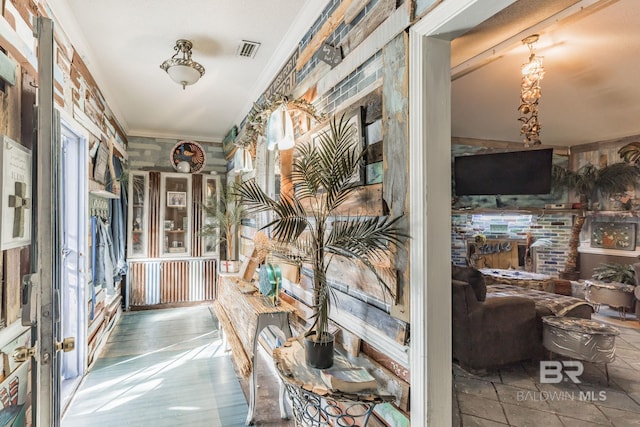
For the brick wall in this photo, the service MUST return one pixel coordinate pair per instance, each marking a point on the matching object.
(555, 228)
(363, 79)
(154, 153)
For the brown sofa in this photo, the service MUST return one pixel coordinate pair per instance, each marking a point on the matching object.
(494, 332)
(502, 324)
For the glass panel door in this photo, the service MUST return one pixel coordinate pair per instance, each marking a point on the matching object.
(138, 216)
(176, 215)
(211, 199)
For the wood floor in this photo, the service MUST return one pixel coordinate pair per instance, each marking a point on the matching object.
(161, 368)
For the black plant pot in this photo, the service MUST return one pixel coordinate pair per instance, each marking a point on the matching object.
(319, 354)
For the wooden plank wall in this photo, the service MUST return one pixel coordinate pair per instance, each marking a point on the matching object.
(377, 313)
(395, 92)
(15, 262)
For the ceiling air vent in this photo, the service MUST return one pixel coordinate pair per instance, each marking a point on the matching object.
(248, 49)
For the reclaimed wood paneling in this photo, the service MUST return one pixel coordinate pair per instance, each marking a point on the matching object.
(390, 326)
(303, 311)
(350, 342)
(27, 115)
(364, 201)
(395, 90)
(389, 382)
(325, 31)
(381, 11)
(12, 282)
(353, 11)
(305, 295)
(357, 276)
(383, 359)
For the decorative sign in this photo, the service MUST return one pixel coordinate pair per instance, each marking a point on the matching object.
(614, 235)
(15, 188)
(329, 54)
(190, 152)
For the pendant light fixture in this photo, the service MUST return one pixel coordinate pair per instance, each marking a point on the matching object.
(530, 93)
(183, 70)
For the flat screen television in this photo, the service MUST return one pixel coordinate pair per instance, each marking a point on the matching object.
(516, 172)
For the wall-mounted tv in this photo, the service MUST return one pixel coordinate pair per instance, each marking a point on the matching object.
(516, 172)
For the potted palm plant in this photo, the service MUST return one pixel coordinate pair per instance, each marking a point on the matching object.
(321, 177)
(614, 272)
(224, 219)
(589, 182)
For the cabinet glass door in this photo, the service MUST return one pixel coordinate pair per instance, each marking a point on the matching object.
(211, 199)
(175, 211)
(138, 219)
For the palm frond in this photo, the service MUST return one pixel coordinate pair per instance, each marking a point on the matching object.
(359, 238)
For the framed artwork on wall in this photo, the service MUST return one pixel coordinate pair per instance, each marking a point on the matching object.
(614, 235)
(15, 193)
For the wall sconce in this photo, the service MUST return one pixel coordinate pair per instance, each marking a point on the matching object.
(530, 93)
(184, 70)
(280, 129)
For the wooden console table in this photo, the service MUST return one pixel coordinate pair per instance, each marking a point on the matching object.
(312, 403)
(243, 314)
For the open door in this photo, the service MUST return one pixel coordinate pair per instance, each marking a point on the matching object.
(41, 293)
(74, 230)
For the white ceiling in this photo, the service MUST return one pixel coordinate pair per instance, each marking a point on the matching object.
(589, 92)
(123, 43)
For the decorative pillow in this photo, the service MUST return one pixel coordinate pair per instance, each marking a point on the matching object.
(473, 277)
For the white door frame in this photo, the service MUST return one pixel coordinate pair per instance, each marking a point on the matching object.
(71, 129)
(430, 202)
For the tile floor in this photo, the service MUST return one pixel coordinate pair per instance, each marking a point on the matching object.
(514, 395)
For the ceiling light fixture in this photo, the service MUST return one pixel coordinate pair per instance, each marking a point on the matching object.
(530, 93)
(183, 70)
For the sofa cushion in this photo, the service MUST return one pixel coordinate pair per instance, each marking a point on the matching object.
(472, 277)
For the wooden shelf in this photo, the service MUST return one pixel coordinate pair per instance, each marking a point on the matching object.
(174, 231)
(628, 214)
(515, 211)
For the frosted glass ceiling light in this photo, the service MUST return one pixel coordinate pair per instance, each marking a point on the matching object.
(183, 70)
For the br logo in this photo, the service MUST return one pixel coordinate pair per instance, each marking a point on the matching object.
(553, 372)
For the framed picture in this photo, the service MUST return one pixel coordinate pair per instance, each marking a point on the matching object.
(176, 199)
(355, 122)
(614, 235)
(168, 224)
(15, 194)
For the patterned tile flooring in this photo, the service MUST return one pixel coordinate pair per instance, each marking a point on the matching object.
(514, 395)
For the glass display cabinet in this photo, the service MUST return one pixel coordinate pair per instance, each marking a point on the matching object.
(138, 221)
(211, 193)
(175, 214)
